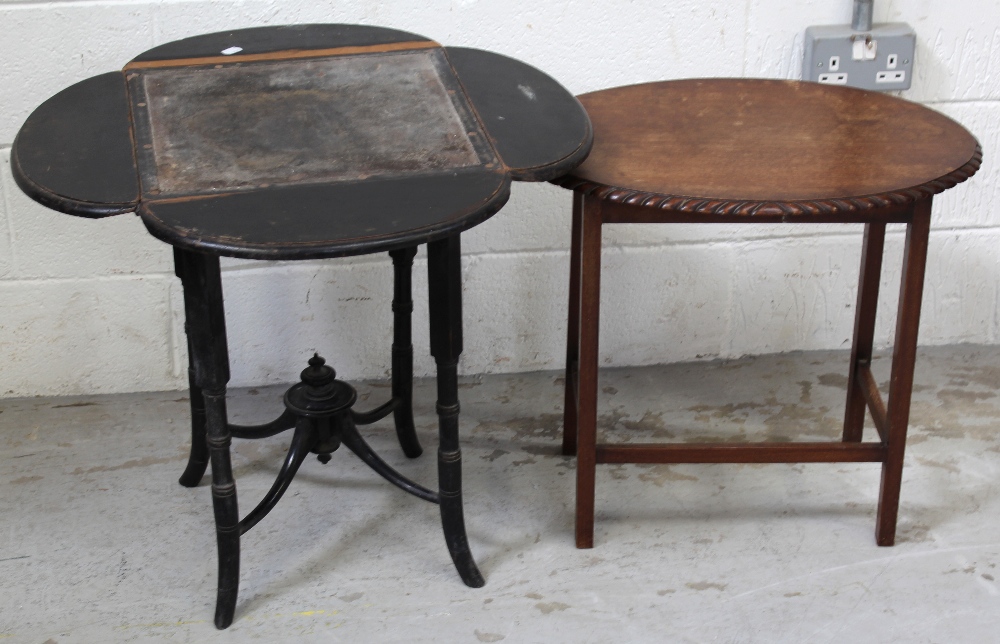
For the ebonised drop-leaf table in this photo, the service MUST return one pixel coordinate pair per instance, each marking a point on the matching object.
(306, 142)
(750, 151)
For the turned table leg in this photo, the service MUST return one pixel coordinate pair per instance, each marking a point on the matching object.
(402, 350)
(444, 284)
(198, 459)
(206, 329)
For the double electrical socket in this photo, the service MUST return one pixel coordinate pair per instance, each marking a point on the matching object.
(880, 58)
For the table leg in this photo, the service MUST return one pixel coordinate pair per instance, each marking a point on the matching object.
(205, 323)
(573, 331)
(590, 313)
(864, 328)
(198, 459)
(402, 350)
(904, 355)
(444, 285)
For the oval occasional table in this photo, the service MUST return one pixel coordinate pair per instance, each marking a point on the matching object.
(306, 142)
(745, 151)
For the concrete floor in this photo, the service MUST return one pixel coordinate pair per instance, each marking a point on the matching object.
(100, 544)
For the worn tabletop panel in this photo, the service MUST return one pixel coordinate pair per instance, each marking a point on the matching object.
(340, 118)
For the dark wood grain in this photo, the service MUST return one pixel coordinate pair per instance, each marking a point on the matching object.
(74, 153)
(539, 129)
(750, 146)
(205, 326)
(235, 160)
(570, 404)
(323, 220)
(402, 350)
(444, 304)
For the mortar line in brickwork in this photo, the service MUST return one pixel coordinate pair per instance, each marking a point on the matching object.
(316, 264)
(135, 277)
(176, 338)
(963, 229)
(155, 27)
(737, 240)
(747, 11)
(11, 246)
(479, 255)
(64, 4)
(964, 101)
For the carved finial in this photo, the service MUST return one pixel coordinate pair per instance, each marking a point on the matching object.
(318, 374)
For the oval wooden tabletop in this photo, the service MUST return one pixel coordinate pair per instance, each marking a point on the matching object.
(739, 145)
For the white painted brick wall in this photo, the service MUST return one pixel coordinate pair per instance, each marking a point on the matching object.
(92, 306)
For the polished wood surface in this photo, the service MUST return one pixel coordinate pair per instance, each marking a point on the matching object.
(741, 151)
(730, 141)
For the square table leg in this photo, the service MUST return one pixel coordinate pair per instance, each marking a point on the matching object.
(904, 354)
(891, 419)
(573, 331)
(444, 285)
(864, 328)
(205, 324)
(586, 416)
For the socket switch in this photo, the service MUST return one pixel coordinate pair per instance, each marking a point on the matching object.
(878, 59)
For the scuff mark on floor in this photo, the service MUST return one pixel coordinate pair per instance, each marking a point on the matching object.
(705, 585)
(551, 607)
(658, 475)
(138, 462)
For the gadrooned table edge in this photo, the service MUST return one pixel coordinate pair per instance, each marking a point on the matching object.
(751, 208)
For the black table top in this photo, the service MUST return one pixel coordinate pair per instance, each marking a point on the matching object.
(301, 142)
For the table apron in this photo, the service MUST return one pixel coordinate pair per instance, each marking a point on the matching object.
(613, 212)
